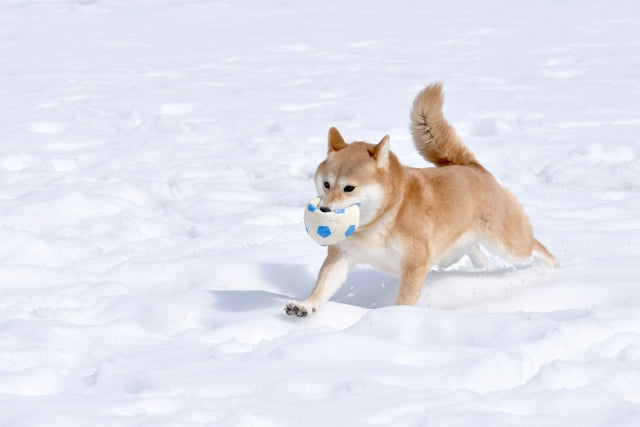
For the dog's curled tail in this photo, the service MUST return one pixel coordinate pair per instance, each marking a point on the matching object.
(435, 139)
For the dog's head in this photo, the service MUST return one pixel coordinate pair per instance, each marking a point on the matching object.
(354, 173)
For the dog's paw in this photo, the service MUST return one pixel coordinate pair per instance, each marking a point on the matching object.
(298, 309)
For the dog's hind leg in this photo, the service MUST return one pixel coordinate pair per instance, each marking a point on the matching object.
(541, 253)
(518, 251)
(509, 234)
(478, 258)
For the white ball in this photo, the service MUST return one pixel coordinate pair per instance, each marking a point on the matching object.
(329, 228)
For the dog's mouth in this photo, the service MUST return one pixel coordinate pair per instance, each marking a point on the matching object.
(330, 226)
(317, 204)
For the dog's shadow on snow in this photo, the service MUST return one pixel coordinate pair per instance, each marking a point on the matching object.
(368, 288)
(365, 287)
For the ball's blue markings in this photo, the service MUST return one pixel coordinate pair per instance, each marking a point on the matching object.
(334, 228)
(324, 231)
(350, 230)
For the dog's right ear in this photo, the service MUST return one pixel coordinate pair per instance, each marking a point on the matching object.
(380, 152)
(336, 141)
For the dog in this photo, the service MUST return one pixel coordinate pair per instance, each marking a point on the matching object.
(410, 218)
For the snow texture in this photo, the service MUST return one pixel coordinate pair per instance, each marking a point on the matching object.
(155, 159)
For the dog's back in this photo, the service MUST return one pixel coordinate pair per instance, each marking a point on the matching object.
(503, 225)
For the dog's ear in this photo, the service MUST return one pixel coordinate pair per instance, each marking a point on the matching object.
(336, 141)
(380, 152)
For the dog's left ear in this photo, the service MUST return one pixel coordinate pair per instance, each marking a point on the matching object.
(380, 152)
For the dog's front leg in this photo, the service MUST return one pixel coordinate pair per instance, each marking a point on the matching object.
(411, 282)
(332, 275)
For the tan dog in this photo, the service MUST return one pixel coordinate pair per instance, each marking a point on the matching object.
(411, 219)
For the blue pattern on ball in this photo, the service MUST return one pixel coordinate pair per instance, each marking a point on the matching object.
(311, 208)
(339, 211)
(324, 231)
(350, 230)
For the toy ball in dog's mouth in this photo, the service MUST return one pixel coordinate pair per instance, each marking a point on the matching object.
(329, 228)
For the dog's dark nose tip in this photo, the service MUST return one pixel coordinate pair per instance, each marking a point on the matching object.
(325, 209)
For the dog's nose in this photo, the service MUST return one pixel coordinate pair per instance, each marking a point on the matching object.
(325, 209)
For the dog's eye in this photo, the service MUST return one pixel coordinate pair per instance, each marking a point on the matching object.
(327, 185)
(349, 188)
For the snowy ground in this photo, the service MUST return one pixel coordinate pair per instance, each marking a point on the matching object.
(155, 158)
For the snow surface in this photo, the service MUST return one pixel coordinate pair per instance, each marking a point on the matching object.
(155, 160)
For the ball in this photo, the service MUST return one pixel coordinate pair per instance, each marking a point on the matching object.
(329, 228)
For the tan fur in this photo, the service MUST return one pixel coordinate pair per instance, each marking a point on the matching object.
(412, 218)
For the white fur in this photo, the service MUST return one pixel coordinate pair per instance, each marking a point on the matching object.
(370, 199)
(387, 258)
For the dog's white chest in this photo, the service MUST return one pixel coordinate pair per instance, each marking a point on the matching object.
(384, 257)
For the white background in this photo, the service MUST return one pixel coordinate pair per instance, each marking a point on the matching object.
(155, 160)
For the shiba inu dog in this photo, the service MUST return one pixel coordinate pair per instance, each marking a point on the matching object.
(410, 218)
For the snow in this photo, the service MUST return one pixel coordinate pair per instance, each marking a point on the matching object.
(155, 161)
